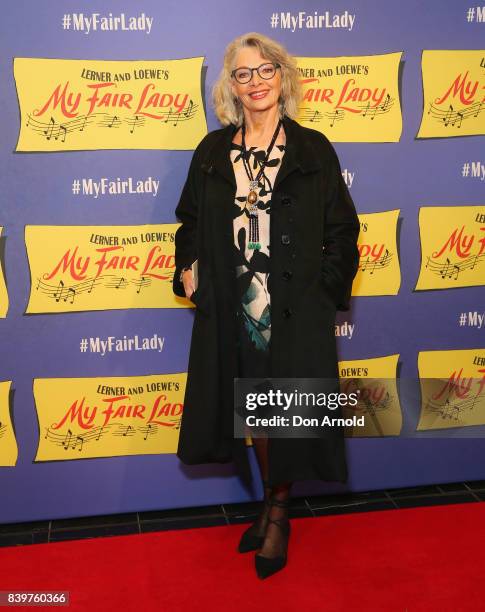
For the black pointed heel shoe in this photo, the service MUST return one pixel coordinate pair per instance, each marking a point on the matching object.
(249, 541)
(267, 566)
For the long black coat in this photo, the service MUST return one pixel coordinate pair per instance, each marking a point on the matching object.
(314, 259)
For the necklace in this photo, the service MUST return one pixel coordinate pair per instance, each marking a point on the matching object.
(252, 197)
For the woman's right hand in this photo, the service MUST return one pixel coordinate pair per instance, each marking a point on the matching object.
(188, 281)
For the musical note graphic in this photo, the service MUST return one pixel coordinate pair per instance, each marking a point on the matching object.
(48, 132)
(68, 443)
(176, 116)
(76, 441)
(450, 116)
(62, 292)
(376, 400)
(149, 430)
(451, 269)
(452, 409)
(70, 440)
(338, 115)
(135, 122)
(380, 109)
(115, 283)
(314, 118)
(368, 111)
(451, 400)
(189, 110)
(67, 439)
(310, 115)
(55, 130)
(386, 105)
(143, 282)
(372, 408)
(379, 263)
(169, 115)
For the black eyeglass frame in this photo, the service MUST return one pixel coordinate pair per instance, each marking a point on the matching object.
(276, 66)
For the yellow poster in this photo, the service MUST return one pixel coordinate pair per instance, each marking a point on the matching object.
(452, 247)
(352, 99)
(3, 288)
(453, 93)
(75, 268)
(452, 388)
(68, 105)
(379, 272)
(8, 443)
(108, 417)
(375, 381)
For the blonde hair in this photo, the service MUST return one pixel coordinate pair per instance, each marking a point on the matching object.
(228, 108)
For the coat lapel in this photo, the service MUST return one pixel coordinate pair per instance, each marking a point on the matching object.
(299, 153)
(218, 157)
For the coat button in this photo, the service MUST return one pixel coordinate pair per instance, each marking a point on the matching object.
(287, 312)
(286, 201)
(287, 274)
(285, 239)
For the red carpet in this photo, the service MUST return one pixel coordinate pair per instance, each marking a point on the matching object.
(418, 559)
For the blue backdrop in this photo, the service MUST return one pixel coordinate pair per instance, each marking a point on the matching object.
(36, 190)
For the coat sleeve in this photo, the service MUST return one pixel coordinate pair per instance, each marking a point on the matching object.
(340, 258)
(186, 235)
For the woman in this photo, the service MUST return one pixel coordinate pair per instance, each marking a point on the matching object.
(256, 314)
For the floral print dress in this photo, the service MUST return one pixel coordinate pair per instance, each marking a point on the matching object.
(252, 264)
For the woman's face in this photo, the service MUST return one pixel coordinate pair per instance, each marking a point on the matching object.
(258, 94)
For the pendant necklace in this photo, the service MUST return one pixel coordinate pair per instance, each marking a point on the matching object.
(253, 184)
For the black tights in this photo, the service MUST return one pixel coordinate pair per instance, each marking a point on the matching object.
(275, 541)
(256, 364)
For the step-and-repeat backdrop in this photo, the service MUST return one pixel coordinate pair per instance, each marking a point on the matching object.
(102, 105)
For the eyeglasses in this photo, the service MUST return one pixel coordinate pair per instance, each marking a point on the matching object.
(265, 71)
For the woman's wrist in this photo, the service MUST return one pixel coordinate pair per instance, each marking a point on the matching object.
(184, 270)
